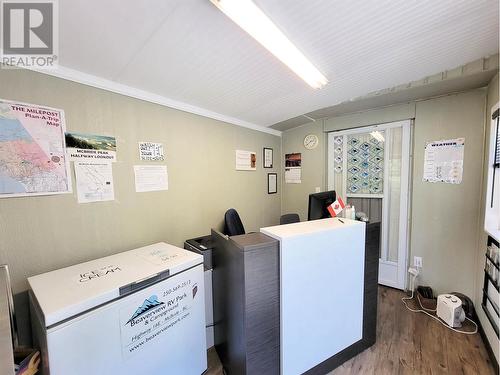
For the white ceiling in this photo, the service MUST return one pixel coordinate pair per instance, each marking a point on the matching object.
(188, 52)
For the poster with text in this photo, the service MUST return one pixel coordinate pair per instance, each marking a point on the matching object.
(444, 161)
(246, 160)
(293, 168)
(151, 151)
(86, 147)
(32, 157)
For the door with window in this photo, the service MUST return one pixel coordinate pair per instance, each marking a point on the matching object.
(369, 168)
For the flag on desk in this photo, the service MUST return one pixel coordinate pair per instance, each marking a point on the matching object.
(336, 207)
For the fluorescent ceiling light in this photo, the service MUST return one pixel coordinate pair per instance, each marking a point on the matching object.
(251, 19)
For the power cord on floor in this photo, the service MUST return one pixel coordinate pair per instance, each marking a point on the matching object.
(423, 310)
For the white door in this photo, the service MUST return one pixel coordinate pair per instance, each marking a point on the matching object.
(369, 168)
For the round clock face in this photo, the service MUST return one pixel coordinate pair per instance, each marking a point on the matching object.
(311, 141)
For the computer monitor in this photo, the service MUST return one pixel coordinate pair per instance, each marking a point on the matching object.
(318, 204)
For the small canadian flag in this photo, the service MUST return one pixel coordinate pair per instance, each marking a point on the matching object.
(336, 207)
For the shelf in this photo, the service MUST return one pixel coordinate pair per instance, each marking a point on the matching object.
(486, 274)
(490, 318)
(491, 240)
(492, 262)
(493, 303)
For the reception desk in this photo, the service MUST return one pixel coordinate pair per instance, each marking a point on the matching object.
(321, 290)
(319, 300)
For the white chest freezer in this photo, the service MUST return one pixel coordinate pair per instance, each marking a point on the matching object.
(137, 312)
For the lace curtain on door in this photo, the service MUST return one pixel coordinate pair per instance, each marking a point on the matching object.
(365, 163)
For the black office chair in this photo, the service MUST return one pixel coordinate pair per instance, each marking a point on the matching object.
(232, 223)
(289, 219)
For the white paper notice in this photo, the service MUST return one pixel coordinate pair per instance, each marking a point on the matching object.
(94, 181)
(246, 160)
(151, 151)
(150, 178)
(444, 161)
(293, 175)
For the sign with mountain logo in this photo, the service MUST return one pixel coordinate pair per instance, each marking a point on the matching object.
(150, 319)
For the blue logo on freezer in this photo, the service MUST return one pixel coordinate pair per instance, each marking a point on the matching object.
(148, 304)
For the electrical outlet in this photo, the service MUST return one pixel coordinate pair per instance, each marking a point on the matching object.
(413, 271)
(318, 190)
(417, 262)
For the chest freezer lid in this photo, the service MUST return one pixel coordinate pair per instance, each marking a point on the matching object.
(67, 292)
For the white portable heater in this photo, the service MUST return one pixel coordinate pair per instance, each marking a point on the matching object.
(449, 309)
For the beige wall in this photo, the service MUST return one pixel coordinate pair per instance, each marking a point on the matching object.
(444, 230)
(38, 234)
(444, 217)
(295, 196)
(492, 100)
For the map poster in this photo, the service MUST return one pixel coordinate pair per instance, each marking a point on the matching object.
(94, 181)
(32, 158)
(87, 147)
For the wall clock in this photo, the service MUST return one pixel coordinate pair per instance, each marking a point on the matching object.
(311, 141)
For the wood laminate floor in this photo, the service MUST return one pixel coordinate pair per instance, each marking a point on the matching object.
(409, 343)
(413, 343)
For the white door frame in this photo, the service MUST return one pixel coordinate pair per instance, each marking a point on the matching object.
(390, 273)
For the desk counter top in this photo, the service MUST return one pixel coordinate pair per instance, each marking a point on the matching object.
(309, 227)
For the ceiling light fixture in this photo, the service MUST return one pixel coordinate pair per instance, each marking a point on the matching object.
(251, 19)
(378, 136)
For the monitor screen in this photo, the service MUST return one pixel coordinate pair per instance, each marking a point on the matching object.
(318, 204)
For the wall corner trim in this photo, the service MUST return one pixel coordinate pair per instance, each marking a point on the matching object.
(372, 116)
(118, 88)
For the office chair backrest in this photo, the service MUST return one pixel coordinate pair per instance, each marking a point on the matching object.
(232, 223)
(289, 218)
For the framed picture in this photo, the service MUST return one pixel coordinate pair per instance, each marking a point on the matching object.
(268, 157)
(272, 183)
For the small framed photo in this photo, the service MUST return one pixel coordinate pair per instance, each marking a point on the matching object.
(268, 157)
(272, 183)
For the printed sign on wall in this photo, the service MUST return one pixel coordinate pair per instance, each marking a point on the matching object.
(90, 147)
(151, 151)
(444, 161)
(246, 160)
(150, 178)
(293, 168)
(94, 181)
